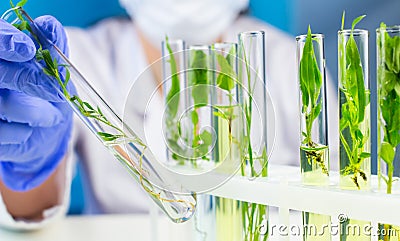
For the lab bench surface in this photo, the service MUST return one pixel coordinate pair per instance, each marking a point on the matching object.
(104, 228)
(123, 228)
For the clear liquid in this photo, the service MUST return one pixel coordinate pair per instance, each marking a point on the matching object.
(352, 230)
(315, 171)
(314, 164)
(352, 180)
(179, 208)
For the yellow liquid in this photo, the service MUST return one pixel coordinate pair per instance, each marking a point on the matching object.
(389, 232)
(315, 172)
(316, 227)
(235, 220)
(228, 219)
(355, 230)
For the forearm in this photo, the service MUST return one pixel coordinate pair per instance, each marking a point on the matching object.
(30, 205)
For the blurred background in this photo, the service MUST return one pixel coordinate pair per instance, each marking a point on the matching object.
(292, 16)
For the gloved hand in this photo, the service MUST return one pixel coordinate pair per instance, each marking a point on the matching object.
(35, 122)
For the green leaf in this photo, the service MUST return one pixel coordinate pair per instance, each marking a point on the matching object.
(353, 74)
(343, 15)
(356, 21)
(172, 99)
(39, 55)
(99, 111)
(206, 137)
(195, 117)
(47, 72)
(310, 149)
(365, 155)
(67, 77)
(397, 88)
(22, 26)
(387, 153)
(88, 106)
(310, 84)
(359, 135)
(198, 77)
(316, 111)
(354, 99)
(22, 3)
(225, 79)
(107, 136)
(221, 115)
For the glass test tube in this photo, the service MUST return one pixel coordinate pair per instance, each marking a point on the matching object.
(388, 69)
(199, 108)
(174, 78)
(252, 97)
(228, 124)
(354, 123)
(314, 151)
(113, 133)
(354, 109)
(220, 218)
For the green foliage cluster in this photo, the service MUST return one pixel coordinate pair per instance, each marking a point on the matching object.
(354, 107)
(310, 86)
(389, 98)
(199, 81)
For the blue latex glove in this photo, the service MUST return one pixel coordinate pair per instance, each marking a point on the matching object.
(35, 122)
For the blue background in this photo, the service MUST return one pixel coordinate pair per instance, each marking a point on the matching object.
(292, 16)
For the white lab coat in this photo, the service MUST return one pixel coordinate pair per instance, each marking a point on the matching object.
(110, 56)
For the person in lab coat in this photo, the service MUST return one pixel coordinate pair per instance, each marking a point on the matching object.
(39, 143)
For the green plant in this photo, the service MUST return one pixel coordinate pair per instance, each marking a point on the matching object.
(310, 86)
(389, 100)
(52, 68)
(252, 214)
(389, 111)
(227, 80)
(356, 99)
(172, 101)
(199, 81)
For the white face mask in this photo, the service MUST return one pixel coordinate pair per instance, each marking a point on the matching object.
(195, 21)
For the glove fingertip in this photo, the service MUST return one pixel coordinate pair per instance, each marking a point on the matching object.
(53, 30)
(16, 46)
(23, 52)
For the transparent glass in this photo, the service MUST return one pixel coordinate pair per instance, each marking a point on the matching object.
(252, 97)
(388, 69)
(354, 109)
(228, 117)
(229, 128)
(110, 130)
(174, 83)
(314, 151)
(199, 92)
(354, 114)
(228, 123)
